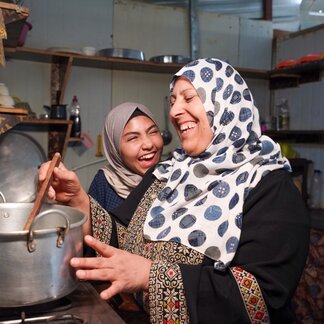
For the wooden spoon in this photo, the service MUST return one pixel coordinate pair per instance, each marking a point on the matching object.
(43, 190)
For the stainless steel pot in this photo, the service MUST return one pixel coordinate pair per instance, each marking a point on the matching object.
(34, 264)
(56, 111)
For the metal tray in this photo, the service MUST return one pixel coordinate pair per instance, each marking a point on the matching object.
(126, 53)
(20, 158)
(175, 59)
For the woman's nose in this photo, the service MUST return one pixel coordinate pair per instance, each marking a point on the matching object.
(176, 109)
(147, 142)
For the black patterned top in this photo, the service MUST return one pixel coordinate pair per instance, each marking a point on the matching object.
(184, 286)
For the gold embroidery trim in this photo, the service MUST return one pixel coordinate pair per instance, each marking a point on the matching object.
(251, 295)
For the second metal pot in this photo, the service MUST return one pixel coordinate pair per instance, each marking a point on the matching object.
(57, 111)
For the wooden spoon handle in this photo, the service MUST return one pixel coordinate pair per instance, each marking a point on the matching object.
(43, 190)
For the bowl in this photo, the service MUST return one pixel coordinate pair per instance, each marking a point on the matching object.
(126, 53)
(6, 101)
(176, 59)
(88, 50)
(4, 91)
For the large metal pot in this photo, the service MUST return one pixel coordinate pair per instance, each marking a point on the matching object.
(34, 264)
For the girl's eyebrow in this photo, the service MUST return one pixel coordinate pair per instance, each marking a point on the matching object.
(131, 133)
(137, 133)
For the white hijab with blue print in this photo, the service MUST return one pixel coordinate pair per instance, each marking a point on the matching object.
(201, 205)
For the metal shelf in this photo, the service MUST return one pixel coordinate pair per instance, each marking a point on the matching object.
(296, 75)
(101, 62)
(297, 136)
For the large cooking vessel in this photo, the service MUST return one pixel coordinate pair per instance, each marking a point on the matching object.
(34, 264)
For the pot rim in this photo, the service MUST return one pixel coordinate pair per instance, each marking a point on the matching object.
(43, 231)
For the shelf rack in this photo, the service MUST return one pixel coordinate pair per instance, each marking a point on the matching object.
(297, 136)
(296, 75)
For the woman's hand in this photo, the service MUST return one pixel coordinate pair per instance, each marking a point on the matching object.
(65, 186)
(66, 189)
(125, 271)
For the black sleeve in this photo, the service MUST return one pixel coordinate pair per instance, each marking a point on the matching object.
(273, 247)
(93, 189)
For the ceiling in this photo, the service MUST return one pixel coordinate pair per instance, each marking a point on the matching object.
(290, 15)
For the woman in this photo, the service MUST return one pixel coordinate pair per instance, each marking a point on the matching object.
(217, 234)
(132, 144)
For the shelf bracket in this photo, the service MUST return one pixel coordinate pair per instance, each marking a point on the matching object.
(60, 72)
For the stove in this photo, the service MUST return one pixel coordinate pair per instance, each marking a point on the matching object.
(83, 305)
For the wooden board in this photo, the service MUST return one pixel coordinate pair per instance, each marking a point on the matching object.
(12, 110)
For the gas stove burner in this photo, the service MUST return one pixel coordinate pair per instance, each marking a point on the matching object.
(66, 319)
(61, 304)
(83, 305)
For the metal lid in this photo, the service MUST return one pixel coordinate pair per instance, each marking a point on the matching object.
(20, 158)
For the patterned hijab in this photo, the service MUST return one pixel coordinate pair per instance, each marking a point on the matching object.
(201, 205)
(120, 177)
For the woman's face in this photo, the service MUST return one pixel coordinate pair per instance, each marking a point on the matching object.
(141, 144)
(189, 118)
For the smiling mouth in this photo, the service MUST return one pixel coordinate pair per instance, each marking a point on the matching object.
(186, 127)
(147, 157)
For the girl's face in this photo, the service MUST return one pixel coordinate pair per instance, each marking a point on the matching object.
(189, 118)
(141, 144)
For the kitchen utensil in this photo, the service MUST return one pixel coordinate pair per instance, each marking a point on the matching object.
(20, 157)
(64, 50)
(35, 264)
(99, 146)
(126, 53)
(286, 63)
(166, 134)
(57, 111)
(43, 190)
(310, 58)
(175, 59)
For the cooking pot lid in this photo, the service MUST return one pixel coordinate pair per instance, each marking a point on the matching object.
(20, 158)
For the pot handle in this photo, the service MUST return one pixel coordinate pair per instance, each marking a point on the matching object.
(3, 197)
(31, 244)
(47, 108)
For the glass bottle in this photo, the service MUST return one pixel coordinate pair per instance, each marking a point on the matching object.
(75, 117)
(316, 189)
(283, 115)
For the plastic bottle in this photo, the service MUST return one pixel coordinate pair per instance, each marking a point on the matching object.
(75, 117)
(283, 115)
(316, 189)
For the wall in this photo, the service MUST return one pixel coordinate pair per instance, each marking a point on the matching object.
(59, 23)
(307, 100)
(153, 29)
(161, 30)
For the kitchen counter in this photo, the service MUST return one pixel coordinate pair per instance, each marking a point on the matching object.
(83, 306)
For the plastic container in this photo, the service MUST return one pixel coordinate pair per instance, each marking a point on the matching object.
(23, 34)
(316, 190)
(75, 117)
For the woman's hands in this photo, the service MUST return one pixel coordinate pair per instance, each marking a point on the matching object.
(66, 188)
(125, 271)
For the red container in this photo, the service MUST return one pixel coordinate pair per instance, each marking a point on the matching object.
(23, 34)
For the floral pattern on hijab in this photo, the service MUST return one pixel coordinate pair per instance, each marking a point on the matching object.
(202, 203)
(120, 177)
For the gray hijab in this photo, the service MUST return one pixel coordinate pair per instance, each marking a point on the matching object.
(117, 174)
